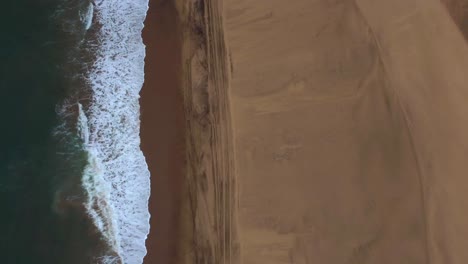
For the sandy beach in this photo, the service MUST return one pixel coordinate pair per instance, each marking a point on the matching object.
(187, 136)
(306, 132)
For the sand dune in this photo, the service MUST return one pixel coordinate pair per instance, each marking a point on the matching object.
(326, 131)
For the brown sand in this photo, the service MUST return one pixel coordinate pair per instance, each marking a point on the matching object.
(186, 76)
(326, 131)
(351, 131)
(459, 11)
(162, 131)
(211, 231)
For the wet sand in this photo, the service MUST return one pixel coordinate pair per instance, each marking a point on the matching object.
(162, 130)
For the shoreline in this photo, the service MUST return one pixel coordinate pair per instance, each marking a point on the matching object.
(162, 129)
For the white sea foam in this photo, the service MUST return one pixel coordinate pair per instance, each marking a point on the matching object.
(86, 16)
(117, 178)
(97, 189)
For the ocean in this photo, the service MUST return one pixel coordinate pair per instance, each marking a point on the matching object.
(74, 184)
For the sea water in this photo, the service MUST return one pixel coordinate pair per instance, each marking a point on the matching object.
(74, 185)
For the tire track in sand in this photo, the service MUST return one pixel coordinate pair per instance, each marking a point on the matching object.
(211, 181)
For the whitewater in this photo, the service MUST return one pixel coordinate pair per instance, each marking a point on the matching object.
(116, 179)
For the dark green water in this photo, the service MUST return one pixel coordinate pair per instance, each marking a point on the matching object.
(35, 226)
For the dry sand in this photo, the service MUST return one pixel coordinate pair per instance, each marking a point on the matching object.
(350, 119)
(458, 9)
(326, 131)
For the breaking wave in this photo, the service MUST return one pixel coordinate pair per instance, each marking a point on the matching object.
(116, 179)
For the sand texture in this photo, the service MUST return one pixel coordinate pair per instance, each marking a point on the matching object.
(350, 119)
(209, 214)
(458, 9)
(319, 132)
